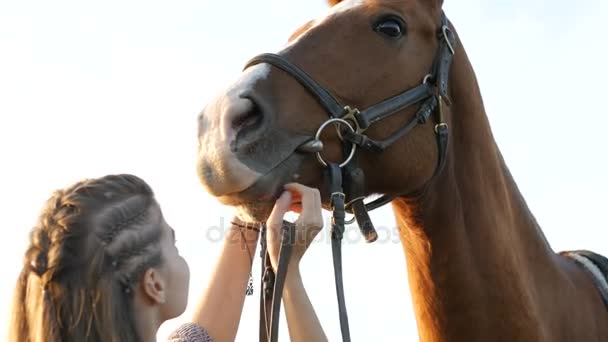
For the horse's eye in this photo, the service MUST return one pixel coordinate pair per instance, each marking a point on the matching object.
(390, 27)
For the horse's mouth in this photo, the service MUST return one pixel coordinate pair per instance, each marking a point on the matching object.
(256, 202)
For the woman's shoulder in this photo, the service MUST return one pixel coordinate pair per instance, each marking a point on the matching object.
(190, 332)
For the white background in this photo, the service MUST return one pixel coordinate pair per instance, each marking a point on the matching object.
(91, 88)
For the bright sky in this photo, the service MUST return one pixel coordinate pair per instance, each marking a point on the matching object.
(91, 88)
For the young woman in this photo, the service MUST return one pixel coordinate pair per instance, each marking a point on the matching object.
(102, 265)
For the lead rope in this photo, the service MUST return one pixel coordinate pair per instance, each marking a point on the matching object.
(337, 232)
(267, 285)
(288, 234)
(273, 283)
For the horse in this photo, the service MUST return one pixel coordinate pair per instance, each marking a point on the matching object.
(478, 264)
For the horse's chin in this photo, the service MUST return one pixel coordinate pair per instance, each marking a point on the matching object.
(255, 203)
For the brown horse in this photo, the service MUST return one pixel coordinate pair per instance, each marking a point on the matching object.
(479, 266)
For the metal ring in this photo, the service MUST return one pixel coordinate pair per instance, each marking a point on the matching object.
(338, 132)
(352, 149)
(351, 221)
(427, 78)
(445, 29)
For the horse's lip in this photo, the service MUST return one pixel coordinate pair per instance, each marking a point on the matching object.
(253, 193)
(249, 195)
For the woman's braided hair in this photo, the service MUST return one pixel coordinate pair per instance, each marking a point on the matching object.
(92, 243)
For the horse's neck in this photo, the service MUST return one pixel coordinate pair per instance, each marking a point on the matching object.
(472, 246)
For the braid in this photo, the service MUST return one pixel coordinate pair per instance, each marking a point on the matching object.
(92, 239)
(107, 234)
(134, 248)
(141, 261)
(36, 255)
(50, 228)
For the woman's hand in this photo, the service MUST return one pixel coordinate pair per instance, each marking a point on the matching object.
(303, 200)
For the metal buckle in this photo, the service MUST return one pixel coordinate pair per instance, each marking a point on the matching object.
(351, 221)
(442, 123)
(445, 29)
(333, 195)
(337, 194)
(341, 195)
(350, 116)
(347, 206)
(318, 135)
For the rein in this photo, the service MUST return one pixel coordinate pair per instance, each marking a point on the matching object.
(346, 181)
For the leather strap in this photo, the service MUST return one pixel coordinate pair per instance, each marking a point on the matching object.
(394, 104)
(288, 234)
(365, 118)
(273, 284)
(267, 286)
(325, 99)
(354, 189)
(583, 258)
(599, 260)
(337, 232)
(421, 117)
(442, 65)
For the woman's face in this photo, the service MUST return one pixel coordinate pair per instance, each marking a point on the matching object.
(176, 273)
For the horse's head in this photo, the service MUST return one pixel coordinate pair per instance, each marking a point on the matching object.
(362, 52)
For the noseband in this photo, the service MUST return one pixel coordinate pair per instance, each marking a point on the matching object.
(346, 180)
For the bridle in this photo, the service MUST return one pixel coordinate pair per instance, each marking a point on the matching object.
(346, 181)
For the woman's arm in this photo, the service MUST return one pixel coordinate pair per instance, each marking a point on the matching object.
(219, 310)
(220, 307)
(302, 321)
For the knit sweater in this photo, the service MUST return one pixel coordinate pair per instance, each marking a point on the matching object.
(190, 332)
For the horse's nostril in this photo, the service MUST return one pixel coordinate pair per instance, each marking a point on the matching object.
(248, 121)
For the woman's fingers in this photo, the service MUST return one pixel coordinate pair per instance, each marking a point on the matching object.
(274, 224)
(278, 211)
(297, 188)
(311, 204)
(307, 202)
